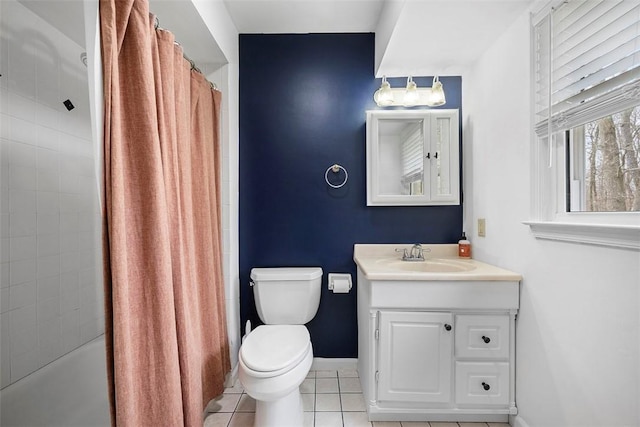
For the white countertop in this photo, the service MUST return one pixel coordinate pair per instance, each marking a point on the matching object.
(375, 260)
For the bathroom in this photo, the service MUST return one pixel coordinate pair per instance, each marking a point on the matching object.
(301, 109)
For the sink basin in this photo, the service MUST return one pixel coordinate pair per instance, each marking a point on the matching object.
(428, 266)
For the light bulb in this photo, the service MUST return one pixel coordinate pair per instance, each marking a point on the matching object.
(437, 93)
(411, 96)
(384, 96)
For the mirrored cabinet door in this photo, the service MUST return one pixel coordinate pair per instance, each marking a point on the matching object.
(444, 161)
(412, 157)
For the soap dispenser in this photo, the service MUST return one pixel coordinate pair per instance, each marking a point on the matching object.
(464, 247)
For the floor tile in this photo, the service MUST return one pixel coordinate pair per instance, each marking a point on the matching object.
(308, 386)
(246, 404)
(308, 419)
(328, 419)
(329, 399)
(327, 385)
(224, 403)
(237, 388)
(308, 402)
(355, 419)
(348, 373)
(326, 374)
(220, 419)
(242, 419)
(328, 403)
(350, 385)
(352, 402)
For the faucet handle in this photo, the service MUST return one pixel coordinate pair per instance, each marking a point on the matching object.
(405, 253)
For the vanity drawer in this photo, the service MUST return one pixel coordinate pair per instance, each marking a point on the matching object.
(482, 383)
(482, 336)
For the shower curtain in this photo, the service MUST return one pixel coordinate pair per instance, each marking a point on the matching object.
(167, 346)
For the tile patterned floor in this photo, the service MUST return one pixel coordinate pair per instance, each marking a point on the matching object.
(329, 398)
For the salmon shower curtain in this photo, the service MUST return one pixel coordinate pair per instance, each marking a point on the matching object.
(165, 319)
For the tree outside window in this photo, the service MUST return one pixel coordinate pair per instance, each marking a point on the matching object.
(604, 173)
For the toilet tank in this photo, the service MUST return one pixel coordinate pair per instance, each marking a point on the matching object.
(287, 295)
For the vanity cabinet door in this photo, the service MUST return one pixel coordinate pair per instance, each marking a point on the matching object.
(415, 356)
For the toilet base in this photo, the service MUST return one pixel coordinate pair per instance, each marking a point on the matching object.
(283, 412)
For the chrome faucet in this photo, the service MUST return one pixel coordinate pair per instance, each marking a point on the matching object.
(415, 254)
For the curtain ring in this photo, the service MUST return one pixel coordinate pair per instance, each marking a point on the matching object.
(335, 169)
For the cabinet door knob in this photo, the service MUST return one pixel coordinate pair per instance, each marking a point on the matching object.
(486, 340)
(447, 326)
(486, 386)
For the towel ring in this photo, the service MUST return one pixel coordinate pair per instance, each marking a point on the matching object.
(335, 169)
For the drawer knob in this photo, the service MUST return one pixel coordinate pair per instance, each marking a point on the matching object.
(447, 326)
(486, 340)
(486, 386)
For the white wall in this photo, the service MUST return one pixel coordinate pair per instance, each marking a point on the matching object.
(51, 292)
(578, 334)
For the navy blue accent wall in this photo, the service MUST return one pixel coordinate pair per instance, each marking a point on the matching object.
(302, 108)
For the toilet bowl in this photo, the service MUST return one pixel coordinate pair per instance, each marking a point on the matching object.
(275, 358)
(273, 362)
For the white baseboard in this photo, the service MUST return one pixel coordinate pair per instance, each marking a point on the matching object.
(333, 364)
(517, 421)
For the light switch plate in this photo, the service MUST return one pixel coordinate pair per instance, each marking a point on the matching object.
(482, 227)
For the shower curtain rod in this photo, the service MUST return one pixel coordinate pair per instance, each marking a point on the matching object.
(184, 55)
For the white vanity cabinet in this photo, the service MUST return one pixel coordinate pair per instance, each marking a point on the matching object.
(437, 350)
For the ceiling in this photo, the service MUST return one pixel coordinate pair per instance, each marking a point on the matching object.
(413, 37)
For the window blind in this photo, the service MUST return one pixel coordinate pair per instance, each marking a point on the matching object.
(587, 62)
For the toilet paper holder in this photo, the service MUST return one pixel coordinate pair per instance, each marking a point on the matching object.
(340, 282)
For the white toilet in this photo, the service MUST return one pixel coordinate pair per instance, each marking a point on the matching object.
(276, 357)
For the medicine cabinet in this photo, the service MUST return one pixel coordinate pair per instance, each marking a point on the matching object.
(413, 157)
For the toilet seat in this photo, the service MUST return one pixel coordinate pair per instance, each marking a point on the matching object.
(272, 350)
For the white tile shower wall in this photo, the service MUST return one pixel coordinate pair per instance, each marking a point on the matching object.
(51, 286)
(224, 77)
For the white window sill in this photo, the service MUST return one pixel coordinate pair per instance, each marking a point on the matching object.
(618, 236)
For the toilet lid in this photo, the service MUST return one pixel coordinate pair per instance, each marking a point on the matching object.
(274, 347)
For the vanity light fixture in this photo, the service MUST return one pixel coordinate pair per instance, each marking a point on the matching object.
(411, 95)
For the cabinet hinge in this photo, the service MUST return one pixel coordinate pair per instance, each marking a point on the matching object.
(377, 376)
(377, 334)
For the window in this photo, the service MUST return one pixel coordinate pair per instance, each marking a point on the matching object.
(586, 58)
(603, 173)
